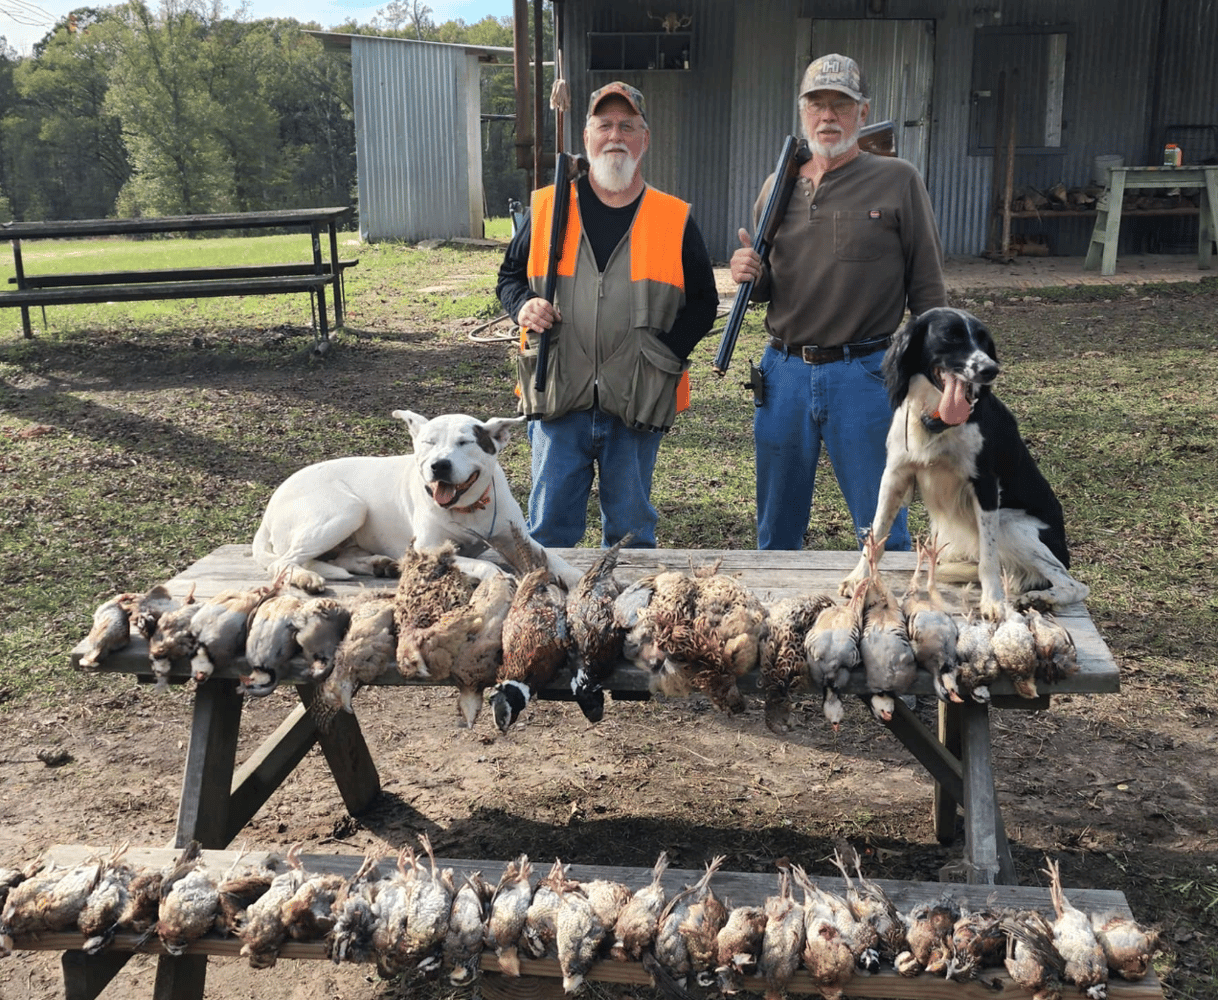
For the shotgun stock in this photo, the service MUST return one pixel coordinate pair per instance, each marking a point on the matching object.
(558, 232)
(879, 138)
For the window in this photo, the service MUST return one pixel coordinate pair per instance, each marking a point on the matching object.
(1032, 62)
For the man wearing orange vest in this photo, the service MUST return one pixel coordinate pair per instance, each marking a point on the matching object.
(635, 293)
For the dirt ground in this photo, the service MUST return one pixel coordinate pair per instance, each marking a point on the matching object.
(1120, 788)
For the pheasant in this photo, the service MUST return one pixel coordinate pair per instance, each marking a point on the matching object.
(270, 642)
(508, 908)
(111, 630)
(1082, 954)
(596, 637)
(784, 664)
(220, 627)
(783, 941)
(466, 925)
(535, 645)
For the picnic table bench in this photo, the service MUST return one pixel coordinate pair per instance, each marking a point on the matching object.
(178, 283)
(182, 978)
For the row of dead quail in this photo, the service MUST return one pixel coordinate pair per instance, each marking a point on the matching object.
(416, 921)
(696, 630)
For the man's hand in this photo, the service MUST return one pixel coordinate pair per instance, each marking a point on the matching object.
(745, 262)
(537, 314)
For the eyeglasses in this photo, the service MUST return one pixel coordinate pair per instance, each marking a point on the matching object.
(627, 126)
(841, 106)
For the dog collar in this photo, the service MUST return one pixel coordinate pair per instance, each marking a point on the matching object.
(480, 504)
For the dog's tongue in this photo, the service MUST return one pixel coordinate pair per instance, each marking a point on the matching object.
(444, 493)
(953, 406)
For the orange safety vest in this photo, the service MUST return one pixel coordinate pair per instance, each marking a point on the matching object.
(655, 241)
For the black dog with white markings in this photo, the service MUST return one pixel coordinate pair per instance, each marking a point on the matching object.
(955, 440)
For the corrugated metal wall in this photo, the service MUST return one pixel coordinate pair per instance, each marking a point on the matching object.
(419, 177)
(1134, 67)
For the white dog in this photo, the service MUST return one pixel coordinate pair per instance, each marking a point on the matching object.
(359, 515)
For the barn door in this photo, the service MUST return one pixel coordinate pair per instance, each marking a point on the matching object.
(898, 60)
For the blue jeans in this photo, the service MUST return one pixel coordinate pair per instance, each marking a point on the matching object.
(565, 454)
(845, 405)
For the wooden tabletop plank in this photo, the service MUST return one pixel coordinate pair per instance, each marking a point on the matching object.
(770, 575)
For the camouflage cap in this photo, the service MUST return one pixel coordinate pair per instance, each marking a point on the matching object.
(618, 89)
(834, 72)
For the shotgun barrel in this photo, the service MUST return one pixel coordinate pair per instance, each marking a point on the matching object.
(558, 233)
(879, 138)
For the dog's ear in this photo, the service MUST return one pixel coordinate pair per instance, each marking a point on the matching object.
(412, 420)
(500, 430)
(903, 359)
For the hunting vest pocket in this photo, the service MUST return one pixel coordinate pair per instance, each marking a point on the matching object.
(647, 373)
(568, 386)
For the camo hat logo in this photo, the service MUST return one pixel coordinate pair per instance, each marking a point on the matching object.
(834, 72)
(618, 89)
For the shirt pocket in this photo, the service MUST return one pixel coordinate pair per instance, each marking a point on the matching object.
(862, 236)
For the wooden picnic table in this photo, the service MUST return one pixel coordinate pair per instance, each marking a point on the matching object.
(113, 286)
(218, 799)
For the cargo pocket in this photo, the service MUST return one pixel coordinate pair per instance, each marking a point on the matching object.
(652, 404)
(532, 405)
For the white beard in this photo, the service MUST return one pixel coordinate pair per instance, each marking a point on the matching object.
(832, 150)
(613, 168)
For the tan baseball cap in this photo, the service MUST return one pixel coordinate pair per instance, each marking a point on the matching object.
(618, 89)
(834, 72)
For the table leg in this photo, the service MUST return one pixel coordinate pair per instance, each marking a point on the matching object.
(1207, 228)
(347, 755)
(19, 270)
(339, 296)
(947, 805)
(987, 854)
(210, 758)
(323, 333)
(85, 976)
(180, 978)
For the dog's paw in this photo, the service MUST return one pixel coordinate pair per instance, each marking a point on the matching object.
(307, 580)
(383, 566)
(992, 610)
(847, 587)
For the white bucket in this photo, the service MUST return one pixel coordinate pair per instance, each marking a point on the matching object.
(1102, 164)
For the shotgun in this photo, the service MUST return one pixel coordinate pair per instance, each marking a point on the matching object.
(879, 138)
(558, 233)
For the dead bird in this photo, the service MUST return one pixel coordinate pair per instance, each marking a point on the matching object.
(429, 584)
(738, 947)
(364, 653)
(869, 902)
(540, 932)
(631, 614)
(977, 942)
(173, 639)
(465, 644)
(98, 919)
(354, 916)
(700, 929)
(428, 905)
(596, 638)
(139, 914)
(1056, 656)
(784, 664)
(265, 929)
(832, 650)
(220, 627)
(888, 658)
(111, 630)
(1032, 960)
(146, 609)
(1015, 649)
(827, 955)
(270, 643)
(977, 665)
(578, 934)
(929, 929)
(320, 624)
(466, 927)
(390, 910)
(189, 900)
(49, 900)
(859, 934)
(670, 947)
(636, 925)
(9, 877)
(508, 909)
(240, 886)
(309, 914)
(783, 941)
(1128, 946)
(1082, 954)
(932, 630)
(536, 642)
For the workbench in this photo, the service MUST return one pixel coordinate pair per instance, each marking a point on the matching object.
(1102, 251)
(311, 276)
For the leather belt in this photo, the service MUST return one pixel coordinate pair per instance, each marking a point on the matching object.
(823, 355)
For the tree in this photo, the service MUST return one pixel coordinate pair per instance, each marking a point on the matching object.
(412, 12)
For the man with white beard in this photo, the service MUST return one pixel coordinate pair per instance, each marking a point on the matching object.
(635, 294)
(856, 247)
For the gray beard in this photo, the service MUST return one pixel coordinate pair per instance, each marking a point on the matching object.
(830, 151)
